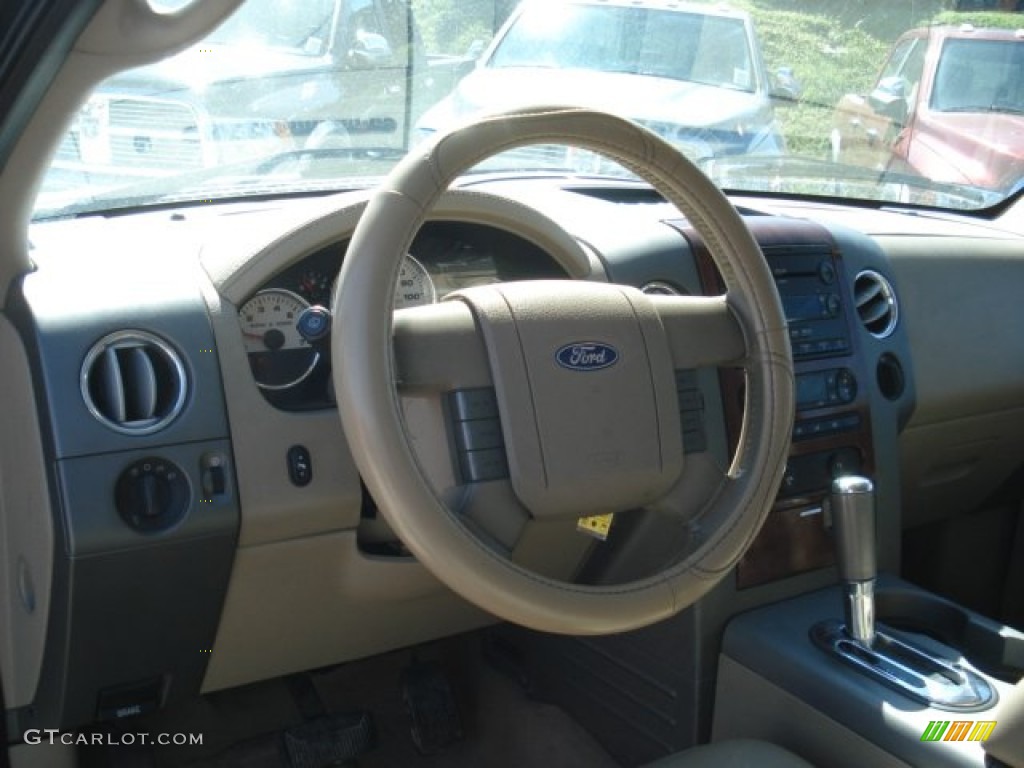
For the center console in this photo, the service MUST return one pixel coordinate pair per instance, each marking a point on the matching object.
(775, 683)
(832, 433)
(874, 671)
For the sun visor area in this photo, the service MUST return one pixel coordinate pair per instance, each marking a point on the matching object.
(586, 394)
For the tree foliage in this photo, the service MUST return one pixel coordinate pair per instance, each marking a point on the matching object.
(452, 26)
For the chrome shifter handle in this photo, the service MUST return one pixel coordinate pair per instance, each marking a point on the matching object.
(919, 674)
(852, 503)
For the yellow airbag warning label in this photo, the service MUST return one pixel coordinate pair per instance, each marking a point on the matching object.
(595, 525)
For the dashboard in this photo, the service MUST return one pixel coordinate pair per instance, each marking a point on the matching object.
(191, 440)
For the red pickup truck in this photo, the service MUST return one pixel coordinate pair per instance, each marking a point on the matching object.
(947, 105)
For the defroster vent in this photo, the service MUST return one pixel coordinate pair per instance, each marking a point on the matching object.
(876, 303)
(134, 382)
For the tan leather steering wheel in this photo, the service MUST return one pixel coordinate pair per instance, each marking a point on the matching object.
(581, 375)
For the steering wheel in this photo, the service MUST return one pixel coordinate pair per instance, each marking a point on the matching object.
(578, 378)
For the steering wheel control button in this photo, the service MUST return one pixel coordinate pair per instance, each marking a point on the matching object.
(300, 466)
(152, 495)
(479, 441)
(469, 404)
(478, 435)
(481, 466)
(691, 412)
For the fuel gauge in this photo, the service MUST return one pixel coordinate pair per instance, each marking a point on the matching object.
(278, 355)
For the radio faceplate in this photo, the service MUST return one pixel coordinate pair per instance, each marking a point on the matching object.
(807, 277)
(832, 431)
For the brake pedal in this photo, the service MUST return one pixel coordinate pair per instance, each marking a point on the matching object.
(330, 740)
(430, 702)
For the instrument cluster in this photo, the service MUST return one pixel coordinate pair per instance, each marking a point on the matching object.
(291, 366)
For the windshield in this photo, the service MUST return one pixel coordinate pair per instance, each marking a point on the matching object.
(980, 76)
(694, 47)
(299, 26)
(883, 102)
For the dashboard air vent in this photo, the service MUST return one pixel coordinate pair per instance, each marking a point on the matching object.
(876, 303)
(134, 382)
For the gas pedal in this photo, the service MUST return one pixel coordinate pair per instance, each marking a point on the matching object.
(431, 705)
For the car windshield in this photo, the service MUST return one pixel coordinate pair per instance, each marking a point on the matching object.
(980, 76)
(694, 47)
(907, 104)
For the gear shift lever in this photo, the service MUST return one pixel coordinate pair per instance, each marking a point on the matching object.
(853, 521)
(901, 664)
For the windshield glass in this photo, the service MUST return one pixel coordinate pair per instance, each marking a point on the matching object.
(692, 47)
(980, 76)
(905, 103)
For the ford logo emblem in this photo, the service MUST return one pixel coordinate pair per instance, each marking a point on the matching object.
(587, 356)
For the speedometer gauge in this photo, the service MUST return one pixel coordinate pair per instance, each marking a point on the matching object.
(414, 286)
(278, 355)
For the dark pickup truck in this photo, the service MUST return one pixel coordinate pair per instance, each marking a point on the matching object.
(346, 73)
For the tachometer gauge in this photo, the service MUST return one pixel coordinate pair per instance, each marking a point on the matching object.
(278, 355)
(414, 286)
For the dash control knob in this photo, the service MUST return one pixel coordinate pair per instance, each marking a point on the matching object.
(152, 494)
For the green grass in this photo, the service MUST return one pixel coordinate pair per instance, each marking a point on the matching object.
(827, 59)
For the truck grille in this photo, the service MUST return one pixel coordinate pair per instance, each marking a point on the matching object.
(135, 134)
(154, 134)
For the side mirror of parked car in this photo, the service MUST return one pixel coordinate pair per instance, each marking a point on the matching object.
(369, 51)
(889, 98)
(786, 89)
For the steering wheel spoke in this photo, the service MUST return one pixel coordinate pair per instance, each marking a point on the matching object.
(438, 349)
(701, 331)
(494, 512)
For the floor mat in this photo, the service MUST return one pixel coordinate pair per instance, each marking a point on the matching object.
(503, 728)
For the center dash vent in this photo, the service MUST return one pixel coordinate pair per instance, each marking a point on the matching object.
(134, 382)
(876, 303)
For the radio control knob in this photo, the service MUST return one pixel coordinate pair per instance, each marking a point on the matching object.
(826, 272)
(846, 385)
(833, 304)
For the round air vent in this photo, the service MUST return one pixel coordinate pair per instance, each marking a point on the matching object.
(876, 303)
(134, 382)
